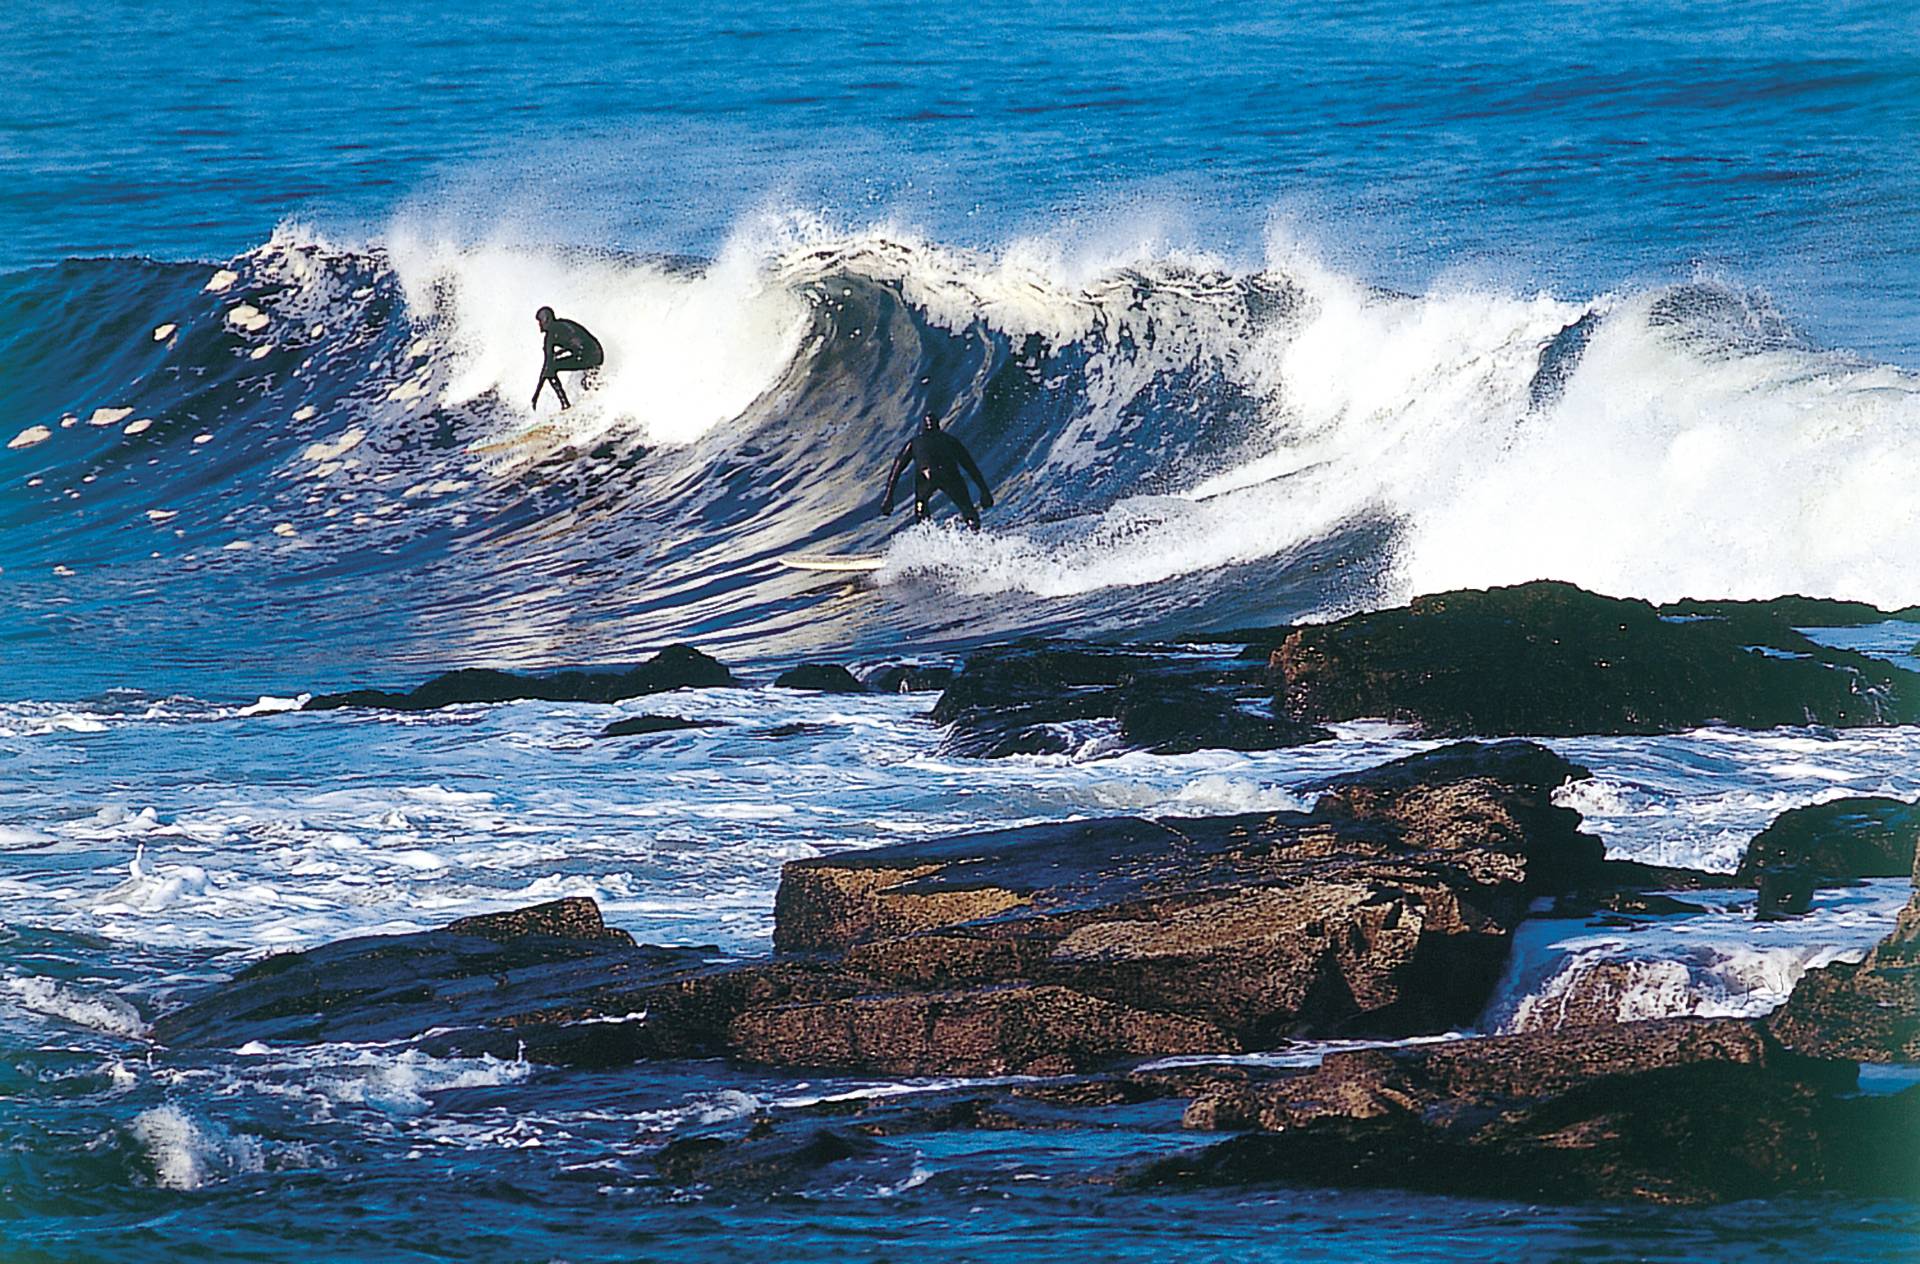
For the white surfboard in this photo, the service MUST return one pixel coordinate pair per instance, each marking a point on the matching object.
(543, 432)
(859, 562)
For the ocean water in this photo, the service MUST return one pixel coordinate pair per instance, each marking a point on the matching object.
(1250, 314)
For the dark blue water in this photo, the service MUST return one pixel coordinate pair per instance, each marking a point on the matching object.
(1247, 313)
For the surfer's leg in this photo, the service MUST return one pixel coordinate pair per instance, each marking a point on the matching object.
(922, 495)
(559, 391)
(949, 480)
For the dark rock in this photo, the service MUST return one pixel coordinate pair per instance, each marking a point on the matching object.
(910, 678)
(645, 725)
(1550, 659)
(769, 1160)
(821, 677)
(796, 729)
(503, 983)
(1681, 1111)
(1793, 611)
(675, 667)
(1051, 698)
(1619, 903)
(1784, 893)
(1832, 843)
(1870, 1010)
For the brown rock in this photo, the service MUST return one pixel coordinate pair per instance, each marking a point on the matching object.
(992, 1031)
(574, 917)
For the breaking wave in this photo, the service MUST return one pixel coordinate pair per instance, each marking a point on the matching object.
(322, 439)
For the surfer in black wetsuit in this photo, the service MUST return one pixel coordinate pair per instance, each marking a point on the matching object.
(938, 458)
(570, 347)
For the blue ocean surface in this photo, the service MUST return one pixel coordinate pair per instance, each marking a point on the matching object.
(1249, 312)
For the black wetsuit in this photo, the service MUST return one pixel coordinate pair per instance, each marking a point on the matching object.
(570, 348)
(938, 458)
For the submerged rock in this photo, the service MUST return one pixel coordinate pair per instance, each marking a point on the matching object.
(1047, 698)
(820, 677)
(1674, 1111)
(646, 725)
(675, 667)
(766, 1160)
(909, 678)
(1547, 659)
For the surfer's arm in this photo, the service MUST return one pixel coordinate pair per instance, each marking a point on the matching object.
(547, 373)
(900, 463)
(965, 458)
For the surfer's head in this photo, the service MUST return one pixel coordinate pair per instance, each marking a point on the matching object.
(930, 421)
(542, 316)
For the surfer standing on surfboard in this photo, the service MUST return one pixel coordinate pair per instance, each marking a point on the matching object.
(570, 347)
(937, 458)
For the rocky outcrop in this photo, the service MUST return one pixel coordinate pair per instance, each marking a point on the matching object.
(675, 667)
(999, 1029)
(1387, 909)
(1675, 1111)
(1058, 698)
(1545, 659)
(1870, 1010)
(821, 678)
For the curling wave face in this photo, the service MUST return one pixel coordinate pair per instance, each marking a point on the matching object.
(324, 451)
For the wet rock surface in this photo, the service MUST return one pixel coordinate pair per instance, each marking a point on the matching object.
(1675, 1111)
(675, 667)
(1836, 842)
(1058, 698)
(512, 984)
(1549, 659)
(1869, 1010)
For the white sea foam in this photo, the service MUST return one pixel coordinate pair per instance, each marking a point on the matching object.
(1720, 963)
(189, 1153)
(335, 824)
(400, 1082)
(81, 1006)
